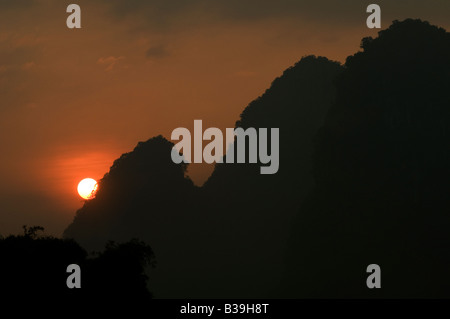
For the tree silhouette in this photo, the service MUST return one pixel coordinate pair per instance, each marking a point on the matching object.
(33, 268)
(32, 231)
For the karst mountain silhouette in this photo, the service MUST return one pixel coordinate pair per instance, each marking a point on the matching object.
(382, 176)
(363, 179)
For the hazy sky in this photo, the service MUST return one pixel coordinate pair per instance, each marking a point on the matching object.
(73, 100)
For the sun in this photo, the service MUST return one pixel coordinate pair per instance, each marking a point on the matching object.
(87, 188)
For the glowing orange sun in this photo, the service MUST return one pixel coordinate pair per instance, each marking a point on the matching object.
(87, 188)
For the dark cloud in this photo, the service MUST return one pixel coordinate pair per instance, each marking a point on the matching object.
(157, 51)
(162, 13)
(16, 4)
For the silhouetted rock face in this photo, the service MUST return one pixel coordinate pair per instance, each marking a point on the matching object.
(142, 189)
(146, 196)
(381, 170)
(297, 103)
(227, 238)
(256, 210)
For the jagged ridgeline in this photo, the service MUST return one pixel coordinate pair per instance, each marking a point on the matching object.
(363, 179)
(227, 238)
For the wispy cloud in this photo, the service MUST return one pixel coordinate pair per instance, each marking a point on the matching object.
(109, 62)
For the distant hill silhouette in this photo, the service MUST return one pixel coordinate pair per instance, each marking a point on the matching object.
(382, 177)
(363, 179)
(138, 184)
(144, 195)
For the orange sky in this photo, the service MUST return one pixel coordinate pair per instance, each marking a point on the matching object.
(74, 100)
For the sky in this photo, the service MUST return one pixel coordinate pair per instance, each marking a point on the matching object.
(73, 100)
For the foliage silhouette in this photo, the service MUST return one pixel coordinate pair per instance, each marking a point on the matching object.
(32, 231)
(33, 268)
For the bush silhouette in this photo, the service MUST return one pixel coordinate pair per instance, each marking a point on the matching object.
(33, 269)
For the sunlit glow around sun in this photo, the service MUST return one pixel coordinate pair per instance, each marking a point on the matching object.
(87, 188)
